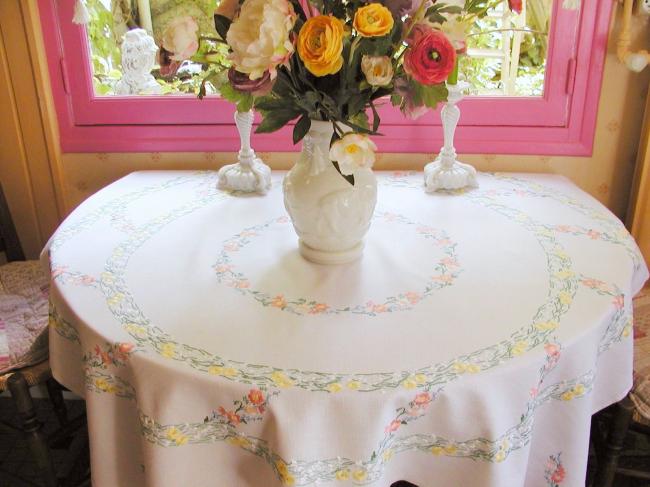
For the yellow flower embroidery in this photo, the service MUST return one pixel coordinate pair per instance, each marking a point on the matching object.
(107, 277)
(472, 368)
(627, 330)
(288, 479)
(342, 474)
(229, 372)
(437, 450)
(460, 367)
(567, 396)
(519, 348)
(359, 475)
(239, 441)
(335, 387)
(137, 330)
(560, 253)
(564, 274)
(215, 370)
(579, 390)
(565, 298)
(176, 436)
(409, 384)
(388, 455)
(282, 468)
(168, 350)
(451, 449)
(353, 385)
(101, 384)
(500, 456)
(117, 297)
(281, 380)
(546, 325)
(420, 378)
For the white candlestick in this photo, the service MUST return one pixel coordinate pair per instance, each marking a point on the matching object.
(446, 172)
(249, 174)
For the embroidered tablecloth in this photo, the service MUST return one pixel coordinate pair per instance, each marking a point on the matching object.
(468, 347)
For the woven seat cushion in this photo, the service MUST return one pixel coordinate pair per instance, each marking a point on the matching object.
(641, 391)
(23, 315)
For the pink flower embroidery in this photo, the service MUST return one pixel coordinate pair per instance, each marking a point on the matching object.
(230, 416)
(318, 308)
(393, 426)
(279, 302)
(412, 297)
(592, 283)
(558, 475)
(619, 301)
(256, 396)
(552, 349)
(422, 399)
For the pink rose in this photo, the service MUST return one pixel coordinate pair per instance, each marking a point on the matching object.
(181, 38)
(515, 5)
(430, 58)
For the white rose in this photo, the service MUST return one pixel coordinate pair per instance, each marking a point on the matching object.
(378, 70)
(259, 37)
(180, 38)
(352, 152)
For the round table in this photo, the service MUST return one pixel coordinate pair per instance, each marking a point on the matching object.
(469, 346)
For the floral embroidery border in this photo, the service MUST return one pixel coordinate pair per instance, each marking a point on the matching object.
(562, 283)
(446, 270)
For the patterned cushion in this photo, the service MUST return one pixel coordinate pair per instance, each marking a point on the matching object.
(641, 392)
(23, 315)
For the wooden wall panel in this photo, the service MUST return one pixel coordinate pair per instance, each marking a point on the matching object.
(25, 165)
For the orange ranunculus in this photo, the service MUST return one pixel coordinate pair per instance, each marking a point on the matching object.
(320, 43)
(373, 20)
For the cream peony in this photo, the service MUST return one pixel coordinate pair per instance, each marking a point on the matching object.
(352, 152)
(181, 38)
(377, 69)
(259, 37)
(456, 31)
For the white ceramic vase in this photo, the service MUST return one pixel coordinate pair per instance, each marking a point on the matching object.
(330, 216)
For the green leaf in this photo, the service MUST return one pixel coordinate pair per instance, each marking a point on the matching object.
(245, 104)
(349, 179)
(301, 128)
(276, 119)
(222, 24)
(375, 118)
(432, 95)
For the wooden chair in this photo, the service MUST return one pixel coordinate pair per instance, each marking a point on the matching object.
(630, 414)
(21, 377)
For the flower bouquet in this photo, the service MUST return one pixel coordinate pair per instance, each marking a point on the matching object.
(326, 65)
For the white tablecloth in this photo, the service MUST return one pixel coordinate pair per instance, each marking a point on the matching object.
(468, 347)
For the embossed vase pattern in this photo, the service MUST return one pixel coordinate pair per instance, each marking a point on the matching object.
(330, 216)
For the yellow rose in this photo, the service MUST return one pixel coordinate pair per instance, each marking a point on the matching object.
(320, 44)
(373, 20)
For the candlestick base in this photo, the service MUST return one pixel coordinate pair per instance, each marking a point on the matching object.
(254, 177)
(438, 175)
(249, 174)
